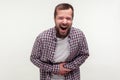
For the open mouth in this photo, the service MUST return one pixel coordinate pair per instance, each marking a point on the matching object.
(63, 28)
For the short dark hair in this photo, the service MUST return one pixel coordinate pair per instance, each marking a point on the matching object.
(63, 6)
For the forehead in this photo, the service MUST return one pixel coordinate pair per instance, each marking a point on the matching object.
(64, 12)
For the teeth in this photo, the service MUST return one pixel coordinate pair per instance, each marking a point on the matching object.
(63, 26)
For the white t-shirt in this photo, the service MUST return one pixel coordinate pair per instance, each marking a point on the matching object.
(61, 53)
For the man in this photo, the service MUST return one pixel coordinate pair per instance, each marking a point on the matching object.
(61, 50)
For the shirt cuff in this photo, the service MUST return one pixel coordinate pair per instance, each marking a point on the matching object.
(56, 68)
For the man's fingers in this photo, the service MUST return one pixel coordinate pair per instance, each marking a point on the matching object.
(68, 70)
(63, 70)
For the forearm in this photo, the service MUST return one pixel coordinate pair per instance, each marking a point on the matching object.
(36, 58)
(77, 62)
(45, 66)
(81, 55)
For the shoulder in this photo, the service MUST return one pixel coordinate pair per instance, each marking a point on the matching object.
(47, 34)
(76, 32)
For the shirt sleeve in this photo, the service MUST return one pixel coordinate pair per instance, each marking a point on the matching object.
(36, 55)
(83, 54)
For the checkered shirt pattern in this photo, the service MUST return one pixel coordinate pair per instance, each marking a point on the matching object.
(44, 49)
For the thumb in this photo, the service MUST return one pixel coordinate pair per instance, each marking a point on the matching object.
(67, 69)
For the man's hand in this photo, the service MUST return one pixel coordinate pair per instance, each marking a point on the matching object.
(63, 70)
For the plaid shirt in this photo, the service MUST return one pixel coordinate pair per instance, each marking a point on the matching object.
(44, 48)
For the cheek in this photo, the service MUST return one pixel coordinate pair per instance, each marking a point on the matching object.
(58, 23)
(70, 22)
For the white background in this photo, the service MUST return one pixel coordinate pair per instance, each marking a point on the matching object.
(22, 20)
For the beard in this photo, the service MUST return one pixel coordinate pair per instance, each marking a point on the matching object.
(62, 30)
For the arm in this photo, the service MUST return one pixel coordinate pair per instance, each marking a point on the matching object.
(83, 54)
(36, 55)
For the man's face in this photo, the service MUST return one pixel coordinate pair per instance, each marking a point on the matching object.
(63, 22)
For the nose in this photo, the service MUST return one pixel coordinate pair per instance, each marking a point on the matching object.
(64, 21)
